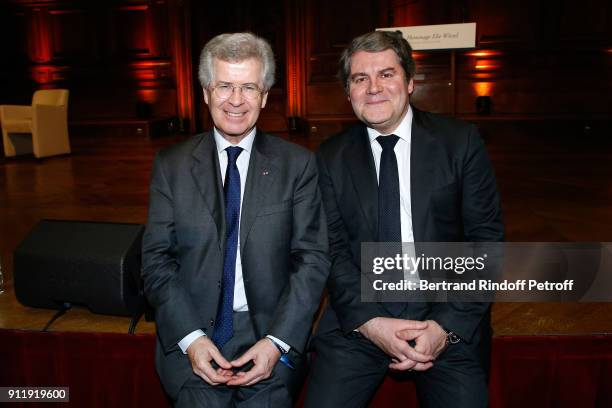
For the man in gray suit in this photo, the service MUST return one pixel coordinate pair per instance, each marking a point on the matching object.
(235, 249)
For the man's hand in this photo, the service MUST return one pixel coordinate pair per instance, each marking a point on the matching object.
(264, 355)
(382, 332)
(430, 341)
(201, 352)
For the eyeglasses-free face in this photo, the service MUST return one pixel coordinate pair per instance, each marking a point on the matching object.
(235, 112)
(379, 90)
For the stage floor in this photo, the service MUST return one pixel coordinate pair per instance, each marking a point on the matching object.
(106, 179)
(507, 319)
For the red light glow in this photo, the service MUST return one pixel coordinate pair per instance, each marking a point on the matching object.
(483, 53)
(488, 65)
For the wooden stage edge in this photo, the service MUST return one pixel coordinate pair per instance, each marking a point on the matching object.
(508, 319)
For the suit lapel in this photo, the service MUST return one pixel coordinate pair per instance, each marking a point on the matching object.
(207, 177)
(422, 171)
(260, 177)
(361, 167)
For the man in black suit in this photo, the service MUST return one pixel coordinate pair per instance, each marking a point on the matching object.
(235, 250)
(400, 175)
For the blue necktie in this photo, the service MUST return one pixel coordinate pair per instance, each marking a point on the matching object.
(224, 327)
(389, 219)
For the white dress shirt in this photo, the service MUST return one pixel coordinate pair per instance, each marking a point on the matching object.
(402, 154)
(242, 162)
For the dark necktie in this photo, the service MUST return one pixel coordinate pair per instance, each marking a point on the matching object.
(224, 328)
(389, 219)
(389, 226)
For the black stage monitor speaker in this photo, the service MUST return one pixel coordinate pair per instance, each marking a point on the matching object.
(92, 264)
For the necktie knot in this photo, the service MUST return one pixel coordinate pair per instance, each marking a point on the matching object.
(232, 154)
(387, 142)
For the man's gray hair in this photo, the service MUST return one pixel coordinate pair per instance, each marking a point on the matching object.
(237, 47)
(377, 41)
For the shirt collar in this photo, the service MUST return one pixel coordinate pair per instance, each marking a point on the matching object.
(403, 131)
(246, 143)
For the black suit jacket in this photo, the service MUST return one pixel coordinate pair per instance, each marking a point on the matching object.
(453, 196)
(283, 244)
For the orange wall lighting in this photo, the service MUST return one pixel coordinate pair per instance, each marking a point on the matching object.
(483, 88)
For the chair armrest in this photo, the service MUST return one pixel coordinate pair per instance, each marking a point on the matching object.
(48, 109)
(15, 112)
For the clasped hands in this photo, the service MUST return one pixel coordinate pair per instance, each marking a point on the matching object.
(202, 352)
(392, 336)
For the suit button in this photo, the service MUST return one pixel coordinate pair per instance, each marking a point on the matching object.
(212, 322)
(219, 284)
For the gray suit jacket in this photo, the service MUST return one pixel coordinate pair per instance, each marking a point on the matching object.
(283, 244)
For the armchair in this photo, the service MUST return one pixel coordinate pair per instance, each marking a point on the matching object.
(46, 120)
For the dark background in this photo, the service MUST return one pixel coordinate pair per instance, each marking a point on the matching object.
(536, 60)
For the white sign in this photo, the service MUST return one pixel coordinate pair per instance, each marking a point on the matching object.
(438, 37)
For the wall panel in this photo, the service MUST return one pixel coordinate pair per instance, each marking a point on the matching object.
(114, 57)
(71, 34)
(533, 58)
(130, 31)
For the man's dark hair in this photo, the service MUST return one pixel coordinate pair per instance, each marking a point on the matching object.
(377, 41)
